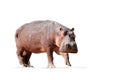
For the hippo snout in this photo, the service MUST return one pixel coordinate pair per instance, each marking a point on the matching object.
(69, 48)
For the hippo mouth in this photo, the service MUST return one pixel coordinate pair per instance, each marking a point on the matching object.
(68, 49)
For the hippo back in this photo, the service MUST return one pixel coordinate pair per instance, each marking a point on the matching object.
(36, 35)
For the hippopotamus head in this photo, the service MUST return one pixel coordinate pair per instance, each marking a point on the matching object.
(65, 40)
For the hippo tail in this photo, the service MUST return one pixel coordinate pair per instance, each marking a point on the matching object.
(16, 35)
(18, 32)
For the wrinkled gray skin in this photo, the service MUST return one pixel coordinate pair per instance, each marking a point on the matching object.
(44, 36)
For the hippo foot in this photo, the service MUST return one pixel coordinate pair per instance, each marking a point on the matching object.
(51, 66)
(27, 65)
(68, 64)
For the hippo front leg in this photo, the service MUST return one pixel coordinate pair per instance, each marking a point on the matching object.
(50, 58)
(66, 58)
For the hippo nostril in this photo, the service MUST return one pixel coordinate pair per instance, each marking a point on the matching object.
(68, 46)
(74, 45)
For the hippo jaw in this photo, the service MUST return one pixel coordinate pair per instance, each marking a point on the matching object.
(68, 51)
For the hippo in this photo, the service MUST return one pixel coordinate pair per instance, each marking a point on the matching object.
(44, 36)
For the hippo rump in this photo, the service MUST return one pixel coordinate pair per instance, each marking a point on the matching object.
(44, 36)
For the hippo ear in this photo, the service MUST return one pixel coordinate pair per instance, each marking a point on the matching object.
(72, 29)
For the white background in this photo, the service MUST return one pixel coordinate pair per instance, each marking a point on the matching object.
(97, 28)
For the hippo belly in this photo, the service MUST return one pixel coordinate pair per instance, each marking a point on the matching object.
(31, 42)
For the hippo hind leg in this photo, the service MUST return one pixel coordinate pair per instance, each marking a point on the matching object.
(20, 56)
(24, 57)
